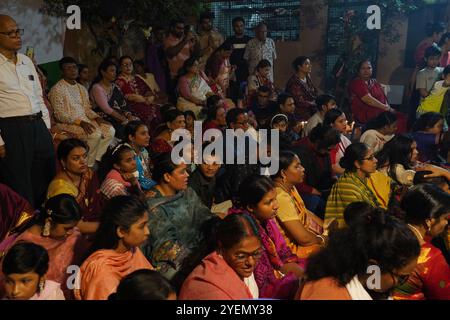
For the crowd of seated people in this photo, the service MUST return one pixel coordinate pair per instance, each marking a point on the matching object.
(89, 177)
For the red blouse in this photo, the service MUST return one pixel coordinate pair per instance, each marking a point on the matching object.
(359, 88)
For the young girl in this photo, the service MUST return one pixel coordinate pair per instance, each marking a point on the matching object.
(336, 119)
(138, 137)
(379, 130)
(279, 122)
(25, 268)
(278, 270)
(122, 179)
(115, 251)
(427, 134)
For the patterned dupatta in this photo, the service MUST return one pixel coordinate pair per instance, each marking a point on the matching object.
(307, 219)
(89, 197)
(308, 88)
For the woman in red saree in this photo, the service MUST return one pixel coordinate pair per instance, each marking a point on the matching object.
(174, 120)
(368, 99)
(15, 211)
(427, 213)
(141, 99)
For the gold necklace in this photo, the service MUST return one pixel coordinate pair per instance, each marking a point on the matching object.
(416, 231)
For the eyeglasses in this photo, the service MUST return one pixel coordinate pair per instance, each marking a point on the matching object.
(401, 278)
(263, 97)
(243, 257)
(14, 33)
(127, 65)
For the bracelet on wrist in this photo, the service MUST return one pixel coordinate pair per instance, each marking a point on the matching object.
(321, 238)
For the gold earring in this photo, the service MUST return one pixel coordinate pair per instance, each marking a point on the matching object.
(41, 285)
(47, 225)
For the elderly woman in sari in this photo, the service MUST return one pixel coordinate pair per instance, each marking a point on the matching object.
(141, 99)
(227, 273)
(177, 220)
(368, 99)
(79, 181)
(193, 87)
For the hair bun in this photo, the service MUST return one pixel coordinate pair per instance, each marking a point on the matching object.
(344, 163)
(375, 218)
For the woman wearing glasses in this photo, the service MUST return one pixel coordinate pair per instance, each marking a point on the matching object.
(364, 261)
(227, 273)
(142, 101)
(359, 163)
(278, 270)
(427, 211)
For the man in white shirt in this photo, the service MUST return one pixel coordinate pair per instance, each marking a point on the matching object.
(27, 157)
(260, 48)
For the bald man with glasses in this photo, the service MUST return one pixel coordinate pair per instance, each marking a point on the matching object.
(27, 159)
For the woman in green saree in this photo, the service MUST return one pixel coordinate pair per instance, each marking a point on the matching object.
(178, 219)
(359, 163)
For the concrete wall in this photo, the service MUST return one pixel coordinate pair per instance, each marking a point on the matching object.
(311, 43)
(45, 34)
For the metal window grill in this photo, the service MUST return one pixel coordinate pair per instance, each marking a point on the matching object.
(282, 17)
(336, 43)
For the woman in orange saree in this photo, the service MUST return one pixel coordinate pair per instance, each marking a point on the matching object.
(115, 251)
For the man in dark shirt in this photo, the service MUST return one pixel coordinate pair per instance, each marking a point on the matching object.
(262, 108)
(203, 179)
(239, 42)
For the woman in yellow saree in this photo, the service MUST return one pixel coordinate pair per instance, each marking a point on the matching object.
(302, 230)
